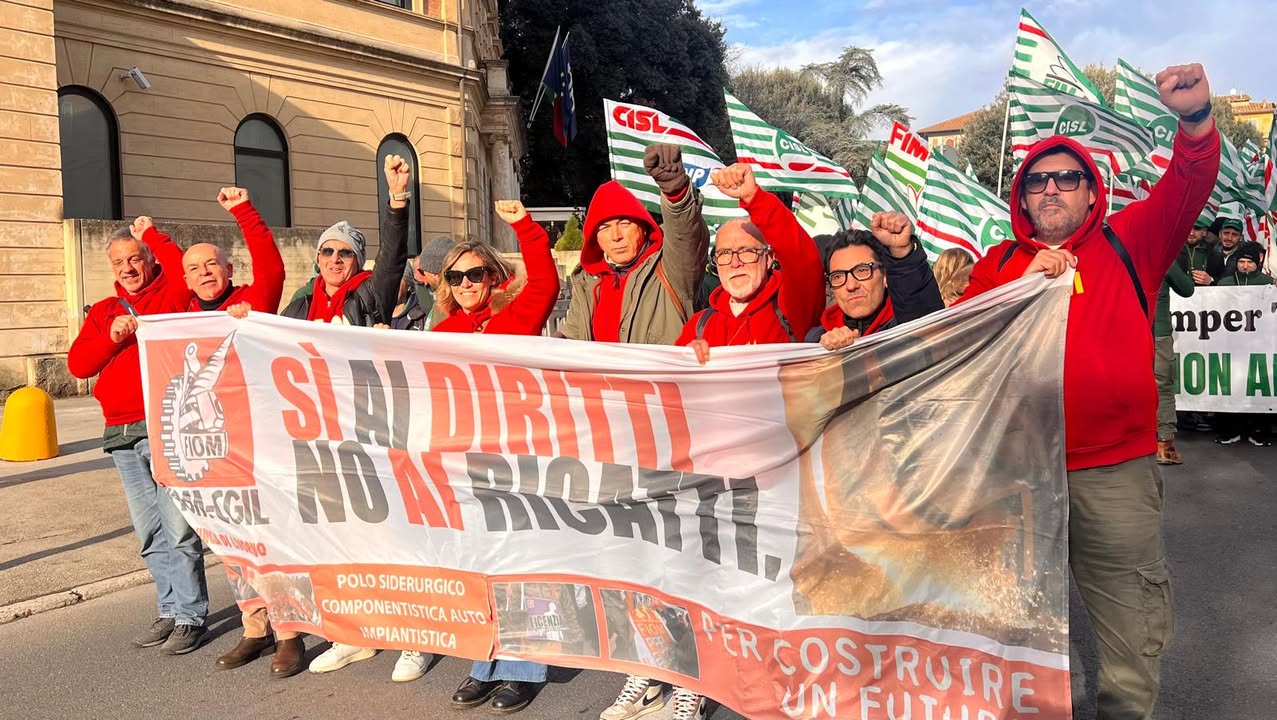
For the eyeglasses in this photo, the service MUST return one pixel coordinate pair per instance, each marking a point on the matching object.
(862, 272)
(344, 253)
(747, 255)
(474, 275)
(1065, 180)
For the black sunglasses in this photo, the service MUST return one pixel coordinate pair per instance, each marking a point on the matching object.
(344, 253)
(474, 275)
(1065, 180)
(862, 272)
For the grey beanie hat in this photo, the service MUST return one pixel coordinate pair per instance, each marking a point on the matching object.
(349, 234)
(431, 258)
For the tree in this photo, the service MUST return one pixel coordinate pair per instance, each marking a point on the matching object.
(983, 146)
(572, 237)
(661, 53)
(820, 105)
(1104, 79)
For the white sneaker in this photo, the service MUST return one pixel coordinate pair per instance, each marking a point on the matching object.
(688, 705)
(339, 656)
(639, 697)
(410, 666)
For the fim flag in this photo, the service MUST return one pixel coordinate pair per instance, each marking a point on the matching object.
(907, 157)
(1039, 58)
(1117, 143)
(631, 128)
(780, 161)
(957, 211)
(556, 85)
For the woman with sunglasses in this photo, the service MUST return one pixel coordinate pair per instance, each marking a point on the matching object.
(879, 279)
(481, 292)
(343, 292)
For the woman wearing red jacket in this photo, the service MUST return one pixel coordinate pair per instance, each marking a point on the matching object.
(481, 292)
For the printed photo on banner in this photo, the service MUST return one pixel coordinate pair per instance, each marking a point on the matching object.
(291, 597)
(542, 617)
(241, 580)
(644, 629)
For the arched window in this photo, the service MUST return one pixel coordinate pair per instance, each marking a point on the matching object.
(90, 141)
(397, 144)
(261, 167)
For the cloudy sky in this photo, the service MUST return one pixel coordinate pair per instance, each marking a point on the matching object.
(941, 59)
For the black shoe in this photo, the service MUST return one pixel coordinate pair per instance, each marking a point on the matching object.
(473, 693)
(513, 697)
(159, 631)
(184, 639)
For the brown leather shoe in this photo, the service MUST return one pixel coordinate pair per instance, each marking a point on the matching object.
(248, 650)
(288, 658)
(1167, 454)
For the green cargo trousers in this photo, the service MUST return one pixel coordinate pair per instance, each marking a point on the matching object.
(1119, 565)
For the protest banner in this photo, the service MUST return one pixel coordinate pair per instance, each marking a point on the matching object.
(794, 533)
(1226, 349)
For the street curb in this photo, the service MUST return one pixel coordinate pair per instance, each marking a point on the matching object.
(76, 595)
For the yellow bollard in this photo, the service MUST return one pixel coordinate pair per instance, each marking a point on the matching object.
(29, 431)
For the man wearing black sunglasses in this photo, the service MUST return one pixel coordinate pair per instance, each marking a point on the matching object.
(1058, 208)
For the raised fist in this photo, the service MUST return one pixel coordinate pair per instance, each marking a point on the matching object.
(736, 182)
(1183, 88)
(512, 211)
(664, 163)
(140, 226)
(398, 175)
(894, 231)
(229, 197)
(122, 327)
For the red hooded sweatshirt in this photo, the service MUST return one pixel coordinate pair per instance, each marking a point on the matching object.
(268, 266)
(119, 387)
(528, 311)
(797, 290)
(1110, 397)
(613, 201)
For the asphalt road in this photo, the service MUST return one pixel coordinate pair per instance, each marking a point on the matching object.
(1221, 523)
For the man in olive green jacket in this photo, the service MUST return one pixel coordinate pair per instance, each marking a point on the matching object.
(638, 281)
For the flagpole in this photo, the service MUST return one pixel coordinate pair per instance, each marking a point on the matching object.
(1002, 153)
(537, 103)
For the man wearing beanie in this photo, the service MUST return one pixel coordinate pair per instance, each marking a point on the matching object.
(345, 293)
(1248, 262)
(1223, 260)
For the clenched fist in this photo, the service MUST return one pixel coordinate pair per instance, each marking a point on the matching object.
(1185, 90)
(736, 182)
(122, 328)
(839, 338)
(239, 310)
(664, 163)
(700, 346)
(229, 197)
(894, 231)
(398, 175)
(512, 211)
(140, 226)
(1052, 263)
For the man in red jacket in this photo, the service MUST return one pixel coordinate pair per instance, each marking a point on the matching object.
(1058, 206)
(755, 304)
(107, 347)
(206, 268)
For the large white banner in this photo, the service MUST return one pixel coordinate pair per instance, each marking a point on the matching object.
(1226, 349)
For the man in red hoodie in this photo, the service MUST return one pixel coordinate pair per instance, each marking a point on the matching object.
(755, 304)
(207, 270)
(107, 347)
(1058, 206)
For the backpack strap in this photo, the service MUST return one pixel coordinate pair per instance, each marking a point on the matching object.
(665, 281)
(702, 321)
(1006, 256)
(784, 323)
(1120, 249)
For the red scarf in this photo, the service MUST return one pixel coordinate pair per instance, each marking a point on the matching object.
(324, 308)
(833, 317)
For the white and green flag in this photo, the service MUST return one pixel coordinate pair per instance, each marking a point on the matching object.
(780, 161)
(907, 158)
(1117, 143)
(823, 216)
(882, 193)
(1040, 58)
(631, 128)
(956, 211)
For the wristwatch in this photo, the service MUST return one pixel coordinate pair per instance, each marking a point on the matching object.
(400, 197)
(1198, 116)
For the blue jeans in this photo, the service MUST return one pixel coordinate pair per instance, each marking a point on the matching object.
(508, 671)
(170, 548)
